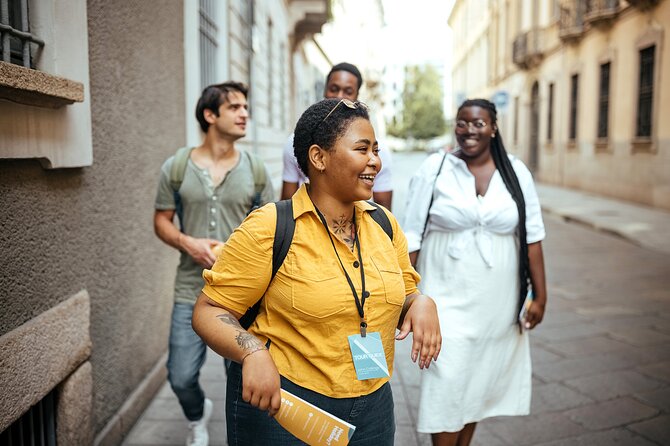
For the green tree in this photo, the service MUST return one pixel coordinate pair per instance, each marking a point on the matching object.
(422, 115)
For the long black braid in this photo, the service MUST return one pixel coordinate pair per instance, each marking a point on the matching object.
(504, 166)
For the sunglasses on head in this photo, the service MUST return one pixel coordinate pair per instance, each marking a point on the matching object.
(348, 103)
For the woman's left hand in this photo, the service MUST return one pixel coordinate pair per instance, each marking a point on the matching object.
(421, 319)
(534, 315)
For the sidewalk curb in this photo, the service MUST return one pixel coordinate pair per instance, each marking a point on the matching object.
(572, 218)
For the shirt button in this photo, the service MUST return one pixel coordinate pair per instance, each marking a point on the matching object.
(212, 223)
(356, 264)
(213, 211)
(213, 197)
(366, 294)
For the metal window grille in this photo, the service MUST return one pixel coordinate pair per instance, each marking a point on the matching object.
(282, 84)
(574, 94)
(15, 36)
(550, 114)
(645, 91)
(604, 101)
(37, 427)
(208, 42)
(516, 119)
(270, 68)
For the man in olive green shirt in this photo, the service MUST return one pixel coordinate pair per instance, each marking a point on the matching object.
(216, 193)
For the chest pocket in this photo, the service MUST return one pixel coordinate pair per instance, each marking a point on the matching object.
(315, 287)
(391, 274)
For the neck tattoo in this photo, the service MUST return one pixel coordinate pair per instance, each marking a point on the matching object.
(344, 230)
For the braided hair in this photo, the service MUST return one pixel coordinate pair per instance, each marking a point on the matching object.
(504, 166)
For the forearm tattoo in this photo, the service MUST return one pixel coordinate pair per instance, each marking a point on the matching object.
(246, 341)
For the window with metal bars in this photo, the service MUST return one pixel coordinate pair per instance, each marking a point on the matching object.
(550, 113)
(645, 92)
(208, 42)
(15, 36)
(604, 100)
(271, 74)
(574, 96)
(37, 427)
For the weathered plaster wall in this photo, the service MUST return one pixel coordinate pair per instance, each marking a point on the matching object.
(90, 228)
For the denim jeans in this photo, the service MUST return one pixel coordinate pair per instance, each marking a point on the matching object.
(371, 414)
(185, 358)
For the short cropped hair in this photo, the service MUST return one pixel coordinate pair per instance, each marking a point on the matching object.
(213, 96)
(344, 66)
(322, 124)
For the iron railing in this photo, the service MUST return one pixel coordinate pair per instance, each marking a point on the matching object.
(15, 35)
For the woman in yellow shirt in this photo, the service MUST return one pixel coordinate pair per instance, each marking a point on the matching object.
(327, 323)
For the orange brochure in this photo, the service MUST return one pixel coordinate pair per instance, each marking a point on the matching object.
(310, 424)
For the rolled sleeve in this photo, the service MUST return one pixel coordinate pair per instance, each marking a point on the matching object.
(241, 273)
(165, 194)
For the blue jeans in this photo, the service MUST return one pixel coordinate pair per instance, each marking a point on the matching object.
(185, 358)
(371, 414)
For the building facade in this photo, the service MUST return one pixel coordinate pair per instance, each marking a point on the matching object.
(94, 96)
(581, 88)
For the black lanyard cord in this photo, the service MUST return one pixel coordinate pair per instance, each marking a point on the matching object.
(360, 303)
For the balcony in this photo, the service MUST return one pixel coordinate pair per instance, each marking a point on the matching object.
(601, 12)
(306, 17)
(571, 25)
(527, 49)
(643, 5)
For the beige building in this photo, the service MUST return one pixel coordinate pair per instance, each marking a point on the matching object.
(94, 96)
(582, 88)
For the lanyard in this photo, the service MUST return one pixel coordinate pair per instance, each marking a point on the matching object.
(360, 303)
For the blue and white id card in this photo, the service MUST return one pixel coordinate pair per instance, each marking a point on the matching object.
(368, 355)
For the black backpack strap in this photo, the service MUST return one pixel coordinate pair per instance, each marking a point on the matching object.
(381, 218)
(284, 229)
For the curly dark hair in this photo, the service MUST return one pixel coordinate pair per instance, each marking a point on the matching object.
(504, 166)
(213, 96)
(322, 124)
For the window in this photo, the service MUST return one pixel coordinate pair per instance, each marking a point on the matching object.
(516, 119)
(574, 95)
(270, 75)
(45, 104)
(241, 41)
(550, 113)
(208, 43)
(282, 84)
(645, 92)
(604, 100)
(15, 36)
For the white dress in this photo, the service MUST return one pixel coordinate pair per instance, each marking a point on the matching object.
(469, 265)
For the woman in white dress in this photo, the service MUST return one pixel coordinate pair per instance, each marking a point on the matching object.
(467, 213)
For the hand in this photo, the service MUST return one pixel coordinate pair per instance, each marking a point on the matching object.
(260, 382)
(534, 315)
(200, 249)
(421, 319)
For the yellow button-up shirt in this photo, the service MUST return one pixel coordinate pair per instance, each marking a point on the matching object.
(309, 310)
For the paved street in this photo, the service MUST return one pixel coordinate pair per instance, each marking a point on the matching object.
(601, 358)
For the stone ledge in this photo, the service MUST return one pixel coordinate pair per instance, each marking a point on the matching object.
(41, 353)
(37, 88)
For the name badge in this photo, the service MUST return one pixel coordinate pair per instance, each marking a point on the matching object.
(368, 355)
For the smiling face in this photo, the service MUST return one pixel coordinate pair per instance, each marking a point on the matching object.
(341, 84)
(353, 162)
(474, 131)
(231, 123)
